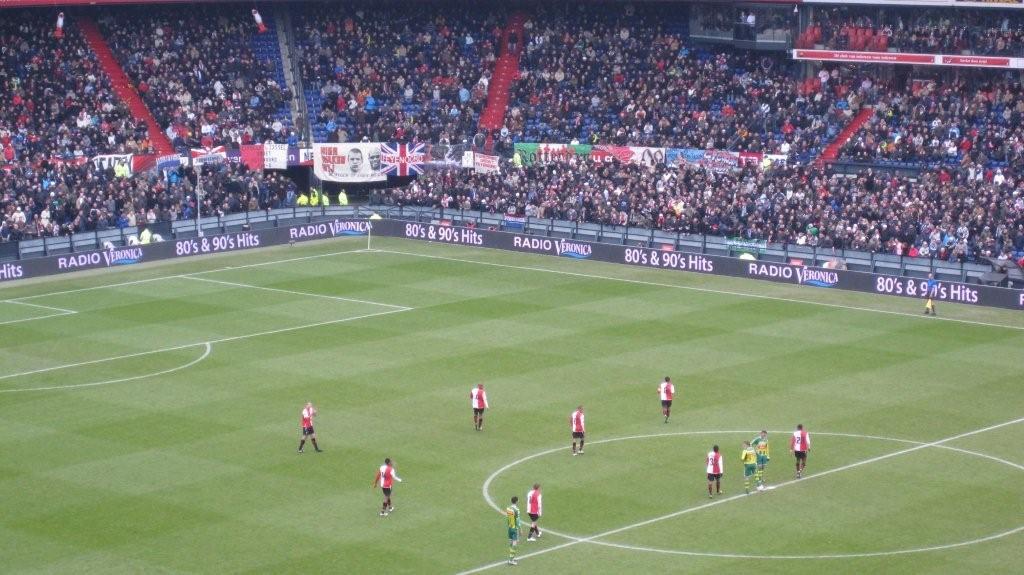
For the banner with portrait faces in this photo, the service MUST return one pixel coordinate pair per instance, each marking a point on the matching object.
(360, 162)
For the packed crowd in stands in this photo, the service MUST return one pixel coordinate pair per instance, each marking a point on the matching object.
(947, 216)
(609, 75)
(197, 73)
(957, 121)
(929, 31)
(621, 76)
(389, 74)
(57, 101)
(59, 199)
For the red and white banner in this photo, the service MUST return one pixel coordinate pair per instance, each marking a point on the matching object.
(484, 164)
(909, 58)
(202, 156)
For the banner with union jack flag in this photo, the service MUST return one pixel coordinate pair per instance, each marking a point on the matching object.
(403, 159)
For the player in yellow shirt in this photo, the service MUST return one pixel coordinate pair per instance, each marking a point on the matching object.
(760, 445)
(514, 524)
(749, 465)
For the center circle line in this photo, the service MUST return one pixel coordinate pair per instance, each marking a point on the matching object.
(592, 540)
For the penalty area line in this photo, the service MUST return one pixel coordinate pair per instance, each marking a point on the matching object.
(21, 300)
(60, 312)
(210, 342)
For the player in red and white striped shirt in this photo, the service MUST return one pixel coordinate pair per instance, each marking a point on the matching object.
(386, 476)
(800, 444)
(308, 413)
(578, 429)
(716, 468)
(666, 390)
(534, 508)
(478, 401)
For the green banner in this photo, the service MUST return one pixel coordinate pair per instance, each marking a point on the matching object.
(530, 154)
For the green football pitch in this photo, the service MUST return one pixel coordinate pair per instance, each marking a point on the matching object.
(149, 419)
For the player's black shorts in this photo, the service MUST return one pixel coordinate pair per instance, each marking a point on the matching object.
(308, 430)
(577, 435)
(534, 516)
(666, 403)
(478, 411)
(714, 476)
(800, 455)
(387, 491)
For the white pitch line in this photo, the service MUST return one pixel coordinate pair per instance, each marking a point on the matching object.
(206, 353)
(38, 317)
(293, 292)
(716, 502)
(941, 547)
(49, 307)
(700, 289)
(60, 312)
(212, 341)
(22, 299)
(641, 548)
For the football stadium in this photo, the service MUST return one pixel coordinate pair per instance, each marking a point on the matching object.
(465, 287)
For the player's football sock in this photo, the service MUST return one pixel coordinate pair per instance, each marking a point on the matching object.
(301, 443)
(315, 446)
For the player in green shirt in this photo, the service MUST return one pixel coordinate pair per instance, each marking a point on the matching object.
(760, 445)
(749, 459)
(514, 524)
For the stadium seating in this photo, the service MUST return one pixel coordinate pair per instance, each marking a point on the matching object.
(57, 102)
(970, 122)
(630, 76)
(205, 73)
(392, 75)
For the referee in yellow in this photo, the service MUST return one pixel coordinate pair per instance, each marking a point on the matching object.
(930, 293)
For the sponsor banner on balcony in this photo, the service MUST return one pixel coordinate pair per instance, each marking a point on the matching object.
(360, 162)
(909, 58)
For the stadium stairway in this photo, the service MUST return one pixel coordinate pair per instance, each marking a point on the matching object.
(831, 152)
(122, 86)
(506, 70)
